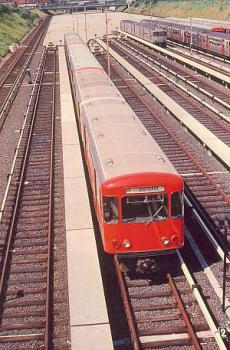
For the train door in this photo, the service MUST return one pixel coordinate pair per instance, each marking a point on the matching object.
(138, 30)
(199, 41)
(203, 41)
(194, 39)
(227, 48)
(207, 44)
(180, 35)
(141, 31)
(186, 37)
(146, 33)
(222, 48)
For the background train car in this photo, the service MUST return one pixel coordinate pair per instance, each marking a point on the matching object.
(220, 29)
(151, 33)
(213, 42)
(137, 193)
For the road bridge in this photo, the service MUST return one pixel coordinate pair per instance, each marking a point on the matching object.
(84, 6)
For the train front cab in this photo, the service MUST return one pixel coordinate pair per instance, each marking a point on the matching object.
(142, 213)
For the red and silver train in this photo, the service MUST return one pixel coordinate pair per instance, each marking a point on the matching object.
(137, 193)
(154, 33)
(217, 43)
(220, 29)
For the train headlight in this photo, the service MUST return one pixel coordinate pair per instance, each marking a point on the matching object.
(126, 243)
(175, 239)
(165, 240)
(116, 244)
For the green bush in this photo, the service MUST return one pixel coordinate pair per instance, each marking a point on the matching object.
(28, 16)
(14, 24)
(25, 15)
(15, 9)
(3, 10)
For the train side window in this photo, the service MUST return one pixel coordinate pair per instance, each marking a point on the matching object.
(110, 205)
(177, 203)
(84, 136)
(95, 183)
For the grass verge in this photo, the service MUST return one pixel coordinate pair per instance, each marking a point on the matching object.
(14, 25)
(211, 9)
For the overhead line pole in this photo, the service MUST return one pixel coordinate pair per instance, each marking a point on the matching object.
(86, 33)
(128, 10)
(191, 27)
(107, 39)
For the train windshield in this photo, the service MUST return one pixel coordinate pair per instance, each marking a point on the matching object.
(160, 33)
(145, 208)
(177, 200)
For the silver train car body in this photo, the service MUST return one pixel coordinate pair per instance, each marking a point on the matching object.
(108, 118)
(204, 39)
(124, 162)
(153, 34)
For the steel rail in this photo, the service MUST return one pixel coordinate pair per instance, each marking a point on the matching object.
(190, 330)
(132, 327)
(26, 47)
(6, 252)
(175, 139)
(136, 48)
(208, 270)
(223, 78)
(12, 92)
(21, 53)
(202, 304)
(210, 117)
(47, 334)
(50, 224)
(196, 59)
(219, 149)
(207, 226)
(10, 175)
(192, 336)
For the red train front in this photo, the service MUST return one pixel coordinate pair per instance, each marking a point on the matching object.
(142, 213)
(137, 193)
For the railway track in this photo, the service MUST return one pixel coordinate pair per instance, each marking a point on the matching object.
(205, 280)
(162, 310)
(209, 119)
(210, 71)
(206, 180)
(10, 61)
(200, 83)
(18, 65)
(26, 225)
(214, 59)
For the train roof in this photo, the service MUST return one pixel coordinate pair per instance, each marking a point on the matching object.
(154, 27)
(119, 142)
(72, 38)
(77, 53)
(184, 27)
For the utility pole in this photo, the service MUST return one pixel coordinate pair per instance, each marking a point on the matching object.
(86, 33)
(128, 10)
(151, 17)
(107, 39)
(73, 23)
(191, 27)
(77, 23)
